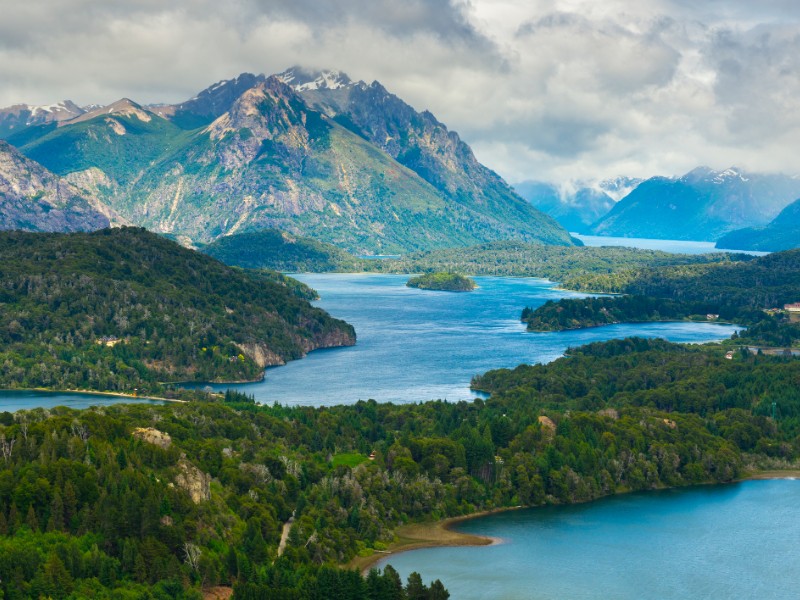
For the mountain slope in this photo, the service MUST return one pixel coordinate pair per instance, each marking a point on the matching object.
(270, 160)
(701, 205)
(34, 199)
(575, 210)
(418, 141)
(783, 233)
(171, 313)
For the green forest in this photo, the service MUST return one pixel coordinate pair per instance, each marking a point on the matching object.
(742, 292)
(149, 500)
(121, 309)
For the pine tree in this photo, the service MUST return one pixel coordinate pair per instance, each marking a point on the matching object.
(31, 520)
(56, 520)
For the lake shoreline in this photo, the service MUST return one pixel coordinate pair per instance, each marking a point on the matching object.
(96, 393)
(440, 534)
(434, 534)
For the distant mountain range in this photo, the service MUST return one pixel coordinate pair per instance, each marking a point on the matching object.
(579, 208)
(782, 233)
(311, 153)
(702, 205)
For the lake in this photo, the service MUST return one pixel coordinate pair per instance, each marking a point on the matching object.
(417, 345)
(676, 246)
(730, 541)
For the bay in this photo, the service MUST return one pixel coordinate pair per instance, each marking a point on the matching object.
(416, 345)
(729, 541)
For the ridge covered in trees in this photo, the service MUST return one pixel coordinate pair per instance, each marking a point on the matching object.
(163, 500)
(120, 309)
(737, 291)
(442, 282)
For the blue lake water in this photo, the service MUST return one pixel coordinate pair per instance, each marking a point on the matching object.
(676, 246)
(416, 345)
(13, 401)
(733, 541)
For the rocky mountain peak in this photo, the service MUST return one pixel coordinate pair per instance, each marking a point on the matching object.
(124, 107)
(304, 80)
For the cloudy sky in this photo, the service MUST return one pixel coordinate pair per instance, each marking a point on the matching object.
(556, 90)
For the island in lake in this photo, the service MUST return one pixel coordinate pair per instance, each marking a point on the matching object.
(442, 282)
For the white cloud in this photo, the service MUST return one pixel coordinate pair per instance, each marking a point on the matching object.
(542, 89)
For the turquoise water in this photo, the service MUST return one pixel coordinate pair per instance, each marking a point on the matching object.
(735, 541)
(417, 345)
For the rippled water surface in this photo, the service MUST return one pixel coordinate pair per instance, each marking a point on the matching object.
(419, 345)
(416, 345)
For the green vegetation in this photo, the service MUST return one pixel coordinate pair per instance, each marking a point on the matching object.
(578, 313)
(165, 500)
(736, 291)
(100, 504)
(280, 251)
(443, 282)
(121, 309)
(558, 263)
(348, 459)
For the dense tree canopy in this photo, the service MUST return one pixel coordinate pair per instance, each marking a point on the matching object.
(124, 308)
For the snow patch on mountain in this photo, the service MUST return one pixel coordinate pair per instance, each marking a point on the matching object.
(303, 80)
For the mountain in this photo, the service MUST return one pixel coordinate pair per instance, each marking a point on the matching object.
(782, 233)
(34, 199)
(702, 205)
(578, 208)
(419, 142)
(346, 163)
(280, 251)
(17, 118)
(122, 308)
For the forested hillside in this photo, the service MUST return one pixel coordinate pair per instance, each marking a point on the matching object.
(121, 309)
(738, 291)
(281, 251)
(164, 500)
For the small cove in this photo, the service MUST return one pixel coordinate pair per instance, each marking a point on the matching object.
(723, 541)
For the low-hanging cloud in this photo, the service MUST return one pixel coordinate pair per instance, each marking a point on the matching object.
(542, 89)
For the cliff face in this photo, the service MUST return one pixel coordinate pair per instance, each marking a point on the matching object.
(192, 480)
(34, 199)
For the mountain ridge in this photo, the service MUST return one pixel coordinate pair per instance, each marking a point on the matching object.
(782, 233)
(253, 152)
(703, 204)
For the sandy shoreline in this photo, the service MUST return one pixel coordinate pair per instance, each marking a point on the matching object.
(430, 535)
(440, 533)
(96, 393)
